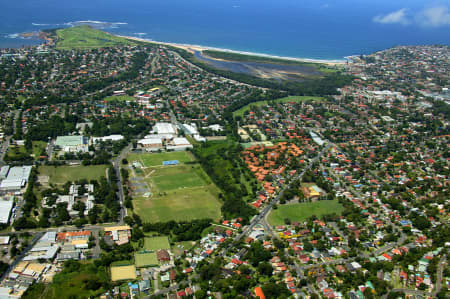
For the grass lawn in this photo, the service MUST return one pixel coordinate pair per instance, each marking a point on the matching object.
(38, 148)
(156, 243)
(241, 111)
(85, 37)
(180, 247)
(123, 98)
(123, 273)
(146, 259)
(63, 174)
(156, 159)
(187, 204)
(181, 192)
(302, 211)
(175, 181)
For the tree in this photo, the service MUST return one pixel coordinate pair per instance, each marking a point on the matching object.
(274, 290)
(423, 287)
(265, 268)
(257, 253)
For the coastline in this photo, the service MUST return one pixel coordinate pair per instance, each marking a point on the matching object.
(192, 48)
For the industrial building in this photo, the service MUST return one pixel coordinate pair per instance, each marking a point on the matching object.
(16, 179)
(165, 129)
(72, 144)
(107, 138)
(178, 144)
(119, 234)
(151, 144)
(6, 206)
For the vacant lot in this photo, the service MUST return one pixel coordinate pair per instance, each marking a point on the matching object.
(302, 211)
(181, 192)
(156, 243)
(63, 174)
(123, 273)
(146, 259)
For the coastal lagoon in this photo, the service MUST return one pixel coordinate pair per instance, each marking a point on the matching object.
(316, 29)
(264, 70)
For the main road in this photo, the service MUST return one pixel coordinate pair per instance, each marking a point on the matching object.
(116, 164)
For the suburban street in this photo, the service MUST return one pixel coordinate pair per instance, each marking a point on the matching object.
(116, 164)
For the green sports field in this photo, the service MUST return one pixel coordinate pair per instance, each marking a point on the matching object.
(180, 192)
(146, 259)
(156, 243)
(302, 211)
(156, 159)
(166, 180)
(184, 205)
(63, 174)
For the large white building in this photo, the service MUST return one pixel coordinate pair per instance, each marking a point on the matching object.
(6, 206)
(151, 144)
(190, 129)
(16, 179)
(179, 144)
(72, 144)
(164, 129)
(107, 138)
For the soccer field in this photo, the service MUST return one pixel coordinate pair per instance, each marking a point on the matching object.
(183, 205)
(302, 211)
(180, 192)
(156, 159)
(63, 174)
(175, 181)
(156, 243)
(146, 259)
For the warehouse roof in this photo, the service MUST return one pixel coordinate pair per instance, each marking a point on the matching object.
(19, 173)
(164, 128)
(5, 210)
(4, 171)
(63, 141)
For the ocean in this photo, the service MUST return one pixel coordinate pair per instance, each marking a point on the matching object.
(316, 29)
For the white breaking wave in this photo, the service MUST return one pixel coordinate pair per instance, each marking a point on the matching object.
(96, 24)
(13, 35)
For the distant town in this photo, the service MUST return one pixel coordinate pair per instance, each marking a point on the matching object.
(132, 170)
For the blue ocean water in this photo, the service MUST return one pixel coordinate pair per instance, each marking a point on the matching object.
(320, 29)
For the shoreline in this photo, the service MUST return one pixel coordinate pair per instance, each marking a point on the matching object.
(191, 48)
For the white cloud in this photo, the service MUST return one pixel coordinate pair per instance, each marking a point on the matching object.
(434, 17)
(396, 17)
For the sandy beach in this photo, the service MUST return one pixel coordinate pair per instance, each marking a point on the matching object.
(192, 48)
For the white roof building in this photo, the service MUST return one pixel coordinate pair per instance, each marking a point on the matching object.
(12, 185)
(42, 253)
(179, 144)
(5, 210)
(164, 128)
(216, 128)
(4, 172)
(190, 129)
(4, 240)
(107, 138)
(19, 173)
